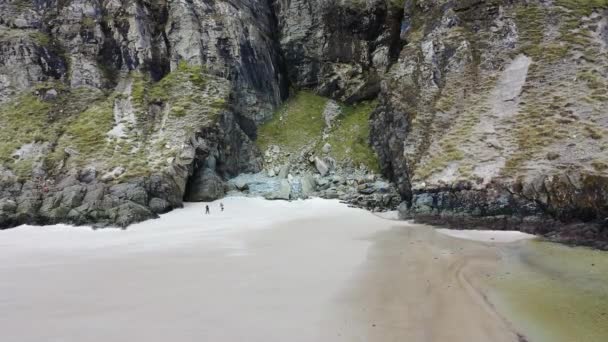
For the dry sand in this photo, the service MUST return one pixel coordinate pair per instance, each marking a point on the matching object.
(311, 270)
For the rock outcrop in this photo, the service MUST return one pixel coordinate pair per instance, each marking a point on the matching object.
(108, 107)
(498, 121)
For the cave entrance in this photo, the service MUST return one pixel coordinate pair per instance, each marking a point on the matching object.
(204, 184)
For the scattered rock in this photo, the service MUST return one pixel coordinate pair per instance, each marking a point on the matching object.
(321, 166)
(241, 185)
(326, 148)
(308, 185)
(115, 173)
(284, 171)
(49, 95)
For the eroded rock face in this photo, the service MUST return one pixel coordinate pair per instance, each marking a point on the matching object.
(57, 53)
(205, 186)
(339, 48)
(468, 136)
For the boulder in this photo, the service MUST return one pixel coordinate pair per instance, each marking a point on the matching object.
(321, 166)
(284, 172)
(159, 205)
(326, 148)
(7, 205)
(282, 193)
(367, 191)
(50, 95)
(331, 194)
(134, 192)
(115, 173)
(309, 185)
(129, 212)
(241, 185)
(403, 211)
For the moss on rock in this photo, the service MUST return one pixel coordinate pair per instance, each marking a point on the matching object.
(299, 125)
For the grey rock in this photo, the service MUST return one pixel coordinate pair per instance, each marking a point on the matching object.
(321, 166)
(205, 186)
(331, 194)
(282, 193)
(366, 191)
(326, 148)
(72, 196)
(115, 173)
(308, 185)
(241, 185)
(94, 193)
(336, 179)
(50, 94)
(88, 175)
(284, 172)
(323, 183)
(159, 205)
(134, 192)
(129, 212)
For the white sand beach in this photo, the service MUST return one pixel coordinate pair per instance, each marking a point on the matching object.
(311, 270)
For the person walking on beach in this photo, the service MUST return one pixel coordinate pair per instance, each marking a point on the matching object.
(207, 210)
(222, 206)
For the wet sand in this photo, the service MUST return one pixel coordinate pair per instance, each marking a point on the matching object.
(260, 271)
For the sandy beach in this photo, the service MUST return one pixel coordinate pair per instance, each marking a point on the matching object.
(311, 270)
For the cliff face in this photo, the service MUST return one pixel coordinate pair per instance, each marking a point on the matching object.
(108, 107)
(485, 112)
(496, 115)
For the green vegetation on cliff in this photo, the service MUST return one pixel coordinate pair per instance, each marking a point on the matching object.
(299, 125)
(73, 128)
(583, 7)
(350, 137)
(31, 119)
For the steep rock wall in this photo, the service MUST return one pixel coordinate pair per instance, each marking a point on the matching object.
(115, 104)
(495, 115)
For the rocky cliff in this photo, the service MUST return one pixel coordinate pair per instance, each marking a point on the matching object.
(108, 108)
(496, 114)
(481, 112)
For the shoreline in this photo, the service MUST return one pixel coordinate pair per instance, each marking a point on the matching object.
(310, 270)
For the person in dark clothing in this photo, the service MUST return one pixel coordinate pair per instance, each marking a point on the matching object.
(207, 209)
(222, 206)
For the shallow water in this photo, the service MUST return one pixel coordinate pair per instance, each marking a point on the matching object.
(553, 293)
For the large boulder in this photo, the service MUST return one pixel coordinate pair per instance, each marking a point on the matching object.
(282, 193)
(129, 212)
(309, 185)
(205, 186)
(321, 166)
